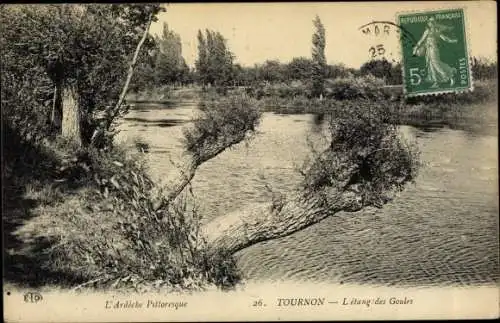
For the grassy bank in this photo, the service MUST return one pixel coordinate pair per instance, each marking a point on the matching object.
(476, 110)
(165, 94)
(94, 219)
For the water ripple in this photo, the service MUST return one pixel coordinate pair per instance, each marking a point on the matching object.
(443, 230)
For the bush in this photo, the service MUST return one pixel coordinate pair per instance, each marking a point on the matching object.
(222, 122)
(119, 231)
(366, 154)
(365, 87)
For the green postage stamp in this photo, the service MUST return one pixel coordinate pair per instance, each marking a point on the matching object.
(434, 52)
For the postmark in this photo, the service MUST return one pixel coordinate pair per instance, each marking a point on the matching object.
(382, 30)
(439, 60)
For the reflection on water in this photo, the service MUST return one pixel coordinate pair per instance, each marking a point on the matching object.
(442, 230)
(146, 106)
(156, 122)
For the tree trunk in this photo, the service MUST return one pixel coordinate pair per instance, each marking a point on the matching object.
(266, 221)
(309, 204)
(56, 115)
(261, 222)
(71, 116)
(130, 73)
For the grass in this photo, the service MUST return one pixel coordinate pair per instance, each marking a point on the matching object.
(474, 110)
(94, 219)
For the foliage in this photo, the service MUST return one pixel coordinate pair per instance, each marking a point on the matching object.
(281, 90)
(116, 228)
(300, 68)
(223, 121)
(381, 68)
(88, 46)
(366, 154)
(353, 88)
(484, 69)
(170, 66)
(334, 71)
(318, 58)
(215, 62)
(272, 71)
(145, 73)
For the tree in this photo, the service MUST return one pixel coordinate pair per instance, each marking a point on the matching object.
(215, 62)
(82, 50)
(318, 57)
(272, 71)
(223, 61)
(300, 68)
(365, 164)
(39, 44)
(170, 65)
(201, 63)
(336, 71)
(383, 69)
(145, 71)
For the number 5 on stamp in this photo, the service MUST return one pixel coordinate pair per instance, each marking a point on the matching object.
(437, 60)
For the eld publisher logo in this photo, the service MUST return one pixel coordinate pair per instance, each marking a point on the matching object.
(32, 297)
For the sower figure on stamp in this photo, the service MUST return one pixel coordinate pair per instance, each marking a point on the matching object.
(437, 70)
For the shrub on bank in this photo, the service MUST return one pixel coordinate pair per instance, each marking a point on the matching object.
(114, 228)
(366, 154)
(349, 88)
(164, 93)
(474, 109)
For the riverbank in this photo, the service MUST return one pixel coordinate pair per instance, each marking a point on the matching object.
(475, 111)
(81, 217)
(165, 94)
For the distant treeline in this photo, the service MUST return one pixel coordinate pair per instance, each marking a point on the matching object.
(214, 66)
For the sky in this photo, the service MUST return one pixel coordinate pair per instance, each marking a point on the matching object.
(257, 32)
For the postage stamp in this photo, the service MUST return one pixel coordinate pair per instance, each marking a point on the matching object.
(439, 60)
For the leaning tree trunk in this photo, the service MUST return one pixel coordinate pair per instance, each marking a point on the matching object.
(333, 183)
(261, 222)
(71, 115)
(266, 221)
(113, 112)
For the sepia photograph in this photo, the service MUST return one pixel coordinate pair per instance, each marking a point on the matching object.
(249, 161)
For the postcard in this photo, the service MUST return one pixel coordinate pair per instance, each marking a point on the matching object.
(250, 161)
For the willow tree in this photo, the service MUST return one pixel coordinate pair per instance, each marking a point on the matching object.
(84, 50)
(366, 163)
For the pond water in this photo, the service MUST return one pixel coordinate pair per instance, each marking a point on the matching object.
(442, 230)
